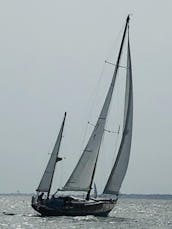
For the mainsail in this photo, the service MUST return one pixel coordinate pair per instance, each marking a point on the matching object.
(46, 181)
(82, 176)
(120, 167)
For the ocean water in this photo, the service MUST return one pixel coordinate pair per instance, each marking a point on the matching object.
(16, 213)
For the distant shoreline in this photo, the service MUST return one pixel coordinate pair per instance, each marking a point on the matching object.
(122, 196)
(147, 196)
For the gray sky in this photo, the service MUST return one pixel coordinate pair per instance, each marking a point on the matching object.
(51, 57)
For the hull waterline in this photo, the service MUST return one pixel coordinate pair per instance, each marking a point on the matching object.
(73, 207)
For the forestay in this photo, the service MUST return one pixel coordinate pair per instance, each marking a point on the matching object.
(120, 167)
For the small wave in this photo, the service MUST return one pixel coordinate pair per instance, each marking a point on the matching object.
(85, 218)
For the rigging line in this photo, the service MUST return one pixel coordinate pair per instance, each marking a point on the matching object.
(92, 98)
(109, 131)
(94, 95)
(107, 62)
(114, 132)
(91, 124)
(115, 42)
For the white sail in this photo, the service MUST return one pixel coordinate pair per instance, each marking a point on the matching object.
(120, 167)
(45, 183)
(83, 174)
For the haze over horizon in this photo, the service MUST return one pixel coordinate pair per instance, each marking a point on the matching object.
(51, 59)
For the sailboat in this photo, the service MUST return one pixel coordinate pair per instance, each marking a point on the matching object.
(82, 177)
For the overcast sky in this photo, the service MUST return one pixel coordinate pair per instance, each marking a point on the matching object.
(51, 58)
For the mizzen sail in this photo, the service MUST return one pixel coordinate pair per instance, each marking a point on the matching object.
(46, 181)
(120, 167)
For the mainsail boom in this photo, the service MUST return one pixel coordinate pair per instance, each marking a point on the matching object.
(82, 176)
(120, 167)
(46, 181)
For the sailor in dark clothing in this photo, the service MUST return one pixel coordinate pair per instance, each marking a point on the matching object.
(40, 196)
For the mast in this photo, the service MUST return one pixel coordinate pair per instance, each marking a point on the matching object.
(47, 178)
(112, 85)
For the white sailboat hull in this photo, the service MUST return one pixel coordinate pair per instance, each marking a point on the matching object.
(73, 207)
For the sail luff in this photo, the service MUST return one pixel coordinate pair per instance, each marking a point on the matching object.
(82, 176)
(120, 167)
(46, 181)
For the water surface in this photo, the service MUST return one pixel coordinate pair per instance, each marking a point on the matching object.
(16, 213)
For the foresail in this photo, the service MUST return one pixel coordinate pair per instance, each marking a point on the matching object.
(45, 183)
(120, 167)
(83, 174)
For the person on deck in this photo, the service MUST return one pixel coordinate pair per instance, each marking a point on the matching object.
(40, 197)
